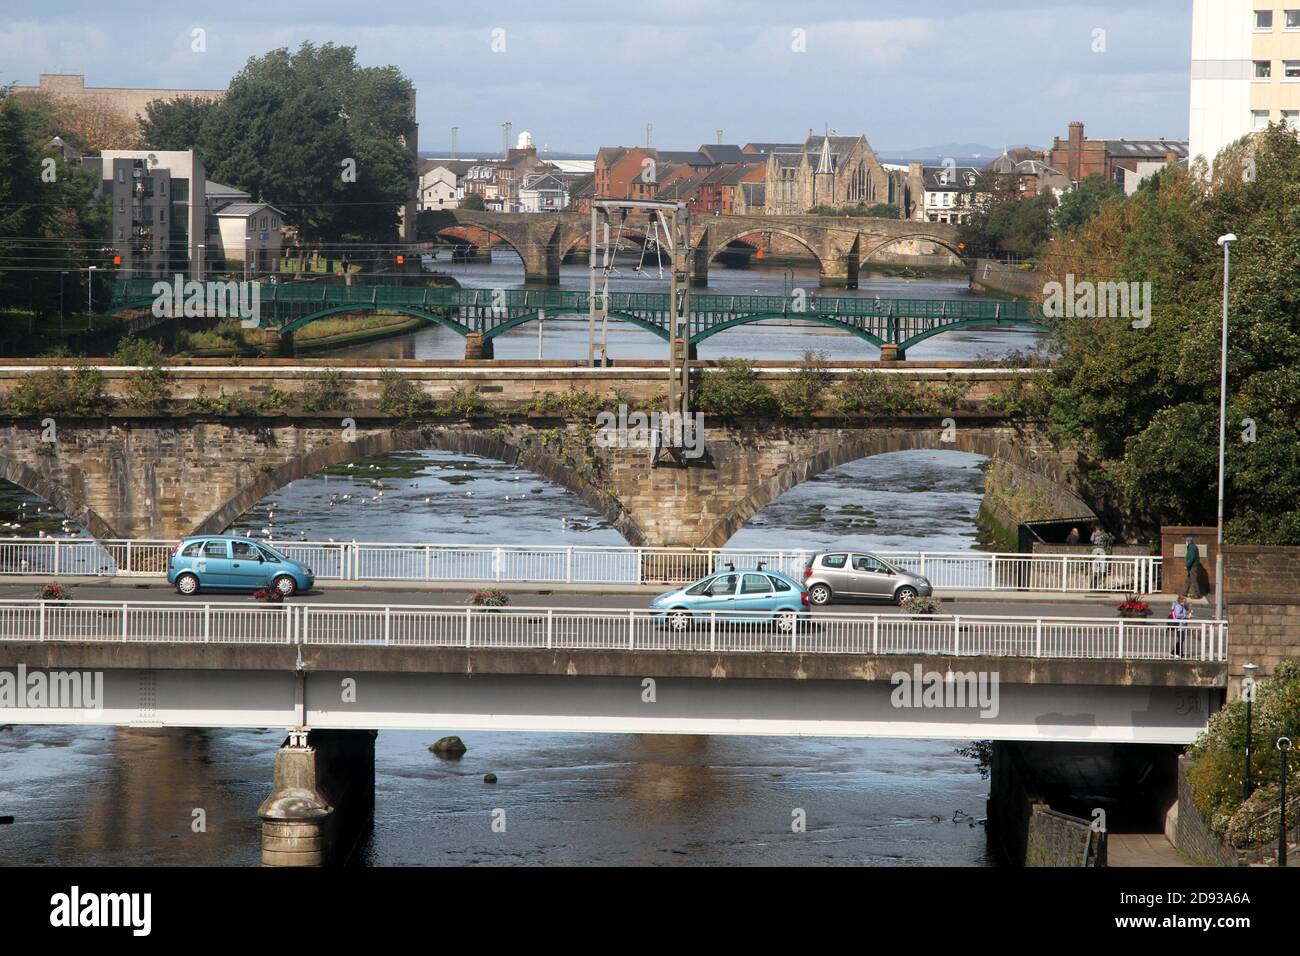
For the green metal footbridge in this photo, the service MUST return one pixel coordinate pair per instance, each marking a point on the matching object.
(902, 323)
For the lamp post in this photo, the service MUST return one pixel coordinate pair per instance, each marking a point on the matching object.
(1283, 749)
(1226, 242)
(200, 248)
(1248, 692)
(90, 288)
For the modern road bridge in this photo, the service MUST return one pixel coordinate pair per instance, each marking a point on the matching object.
(895, 325)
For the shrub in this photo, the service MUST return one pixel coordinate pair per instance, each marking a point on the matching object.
(400, 396)
(489, 598)
(734, 389)
(326, 391)
(879, 393)
(1218, 756)
(150, 387)
(78, 390)
(802, 394)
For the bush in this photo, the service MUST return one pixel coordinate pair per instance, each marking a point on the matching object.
(150, 387)
(489, 598)
(802, 395)
(78, 390)
(401, 396)
(735, 389)
(1218, 756)
(326, 391)
(879, 393)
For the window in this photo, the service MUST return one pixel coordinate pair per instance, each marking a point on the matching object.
(121, 205)
(121, 232)
(865, 562)
(162, 215)
(1291, 70)
(1263, 19)
(162, 187)
(192, 549)
(245, 551)
(1293, 19)
(756, 584)
(1263, 69)
(121, 175)
(1292, 119)
(834, 560)
(215, 549)
(779, 584)
(1258, 120)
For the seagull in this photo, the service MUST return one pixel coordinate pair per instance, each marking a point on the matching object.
(427, 500)
(469, 494)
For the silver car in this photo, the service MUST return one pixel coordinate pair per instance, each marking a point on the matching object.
(859, 574)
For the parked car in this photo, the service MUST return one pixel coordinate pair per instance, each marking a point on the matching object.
(859, 574)
(222, 561)
(734, 596)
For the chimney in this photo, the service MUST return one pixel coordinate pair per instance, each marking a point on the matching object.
(1075, 155)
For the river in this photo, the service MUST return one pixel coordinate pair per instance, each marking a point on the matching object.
(108, 797)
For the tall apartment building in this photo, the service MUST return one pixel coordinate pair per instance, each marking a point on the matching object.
(1245, 70)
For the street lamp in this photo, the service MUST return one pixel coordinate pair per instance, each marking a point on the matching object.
(1248, 691)
(1226, 242)
(90, 287)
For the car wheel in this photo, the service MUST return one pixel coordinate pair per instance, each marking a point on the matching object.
(785, 621)
(285, 584)
(679, 620)
(819, 594)
(187, 584)
(904, 594)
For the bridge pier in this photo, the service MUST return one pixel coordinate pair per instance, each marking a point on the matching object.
(839, 273)
(477, 347)
(322, 801)
(889, 352)
(277, 343)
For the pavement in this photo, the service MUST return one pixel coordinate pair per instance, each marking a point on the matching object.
(975, 603)
(1142, 849)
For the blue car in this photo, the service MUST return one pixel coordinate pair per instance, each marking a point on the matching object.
(726, 593)
(222, 561)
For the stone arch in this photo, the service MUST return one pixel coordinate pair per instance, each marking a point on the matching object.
(1009, 443)
(718, 245)
(43, 486)
(887, 241)
(521, 447)
(463, 227)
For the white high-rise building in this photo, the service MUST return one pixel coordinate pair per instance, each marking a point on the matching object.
(1245, 70)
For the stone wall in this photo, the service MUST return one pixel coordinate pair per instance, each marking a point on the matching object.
(1262, 587)
(1187, 830)
(997, 278)
(1173, 551)
(1058, 839)
(1014, 495)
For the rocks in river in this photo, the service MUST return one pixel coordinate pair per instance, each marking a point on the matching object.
(489, 778)
(448, 747)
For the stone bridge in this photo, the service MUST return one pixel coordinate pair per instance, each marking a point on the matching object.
(211, 455)
(840, 244)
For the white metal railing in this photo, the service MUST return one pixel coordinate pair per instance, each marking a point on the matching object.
(587, 564)
(631, 629)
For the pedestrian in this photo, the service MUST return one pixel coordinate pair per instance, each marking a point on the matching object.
(1073, 536)
(1193, 586)
(1097, 573)
(1098, 539)
(1179, 612)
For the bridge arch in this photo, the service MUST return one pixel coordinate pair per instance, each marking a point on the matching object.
(524, 449)
(718, 246)
(886, 242)
(435, 318)
(40, 484)
(1005, 444)
(501, 238)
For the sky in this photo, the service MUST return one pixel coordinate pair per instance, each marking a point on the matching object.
(579, 75)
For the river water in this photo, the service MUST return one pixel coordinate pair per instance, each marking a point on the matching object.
(115, 797)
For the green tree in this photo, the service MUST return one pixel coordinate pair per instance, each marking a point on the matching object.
(1081, 204)
(176, 123)
(1146, 399)
(472, 201)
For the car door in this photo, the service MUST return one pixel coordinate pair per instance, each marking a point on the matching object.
(833, 568)
(719, 596)
(873, 578)
(213, 564)
(756, 594)
(247, 569)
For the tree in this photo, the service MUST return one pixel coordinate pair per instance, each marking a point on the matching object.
(317, 136)
(1146, 399)
(175, 124)
(472, 201)
(1081, 204)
